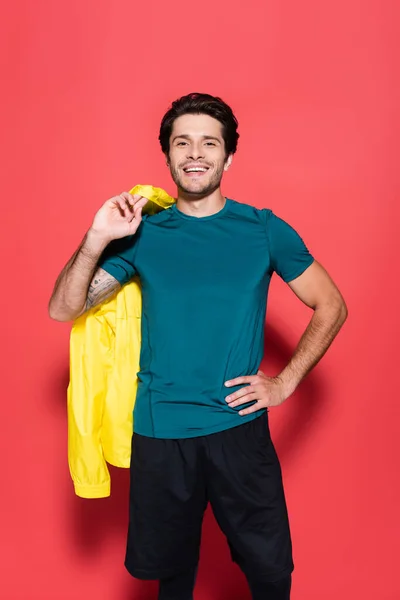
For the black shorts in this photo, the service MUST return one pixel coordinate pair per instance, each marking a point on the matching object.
(238, 472)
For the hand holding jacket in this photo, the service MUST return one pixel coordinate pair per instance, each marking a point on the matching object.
(119, 216)
(104, 359)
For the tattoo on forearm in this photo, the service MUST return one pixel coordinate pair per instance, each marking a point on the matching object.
(102, 287)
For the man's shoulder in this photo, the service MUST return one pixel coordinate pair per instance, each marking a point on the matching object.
(158, 217)
(248, 211)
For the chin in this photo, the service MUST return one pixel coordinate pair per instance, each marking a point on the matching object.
(200, 191)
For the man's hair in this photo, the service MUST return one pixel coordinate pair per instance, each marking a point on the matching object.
(201, 104)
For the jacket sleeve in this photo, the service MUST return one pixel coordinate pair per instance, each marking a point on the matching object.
(91, 355)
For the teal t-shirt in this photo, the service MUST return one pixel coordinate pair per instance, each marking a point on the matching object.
(204, 286)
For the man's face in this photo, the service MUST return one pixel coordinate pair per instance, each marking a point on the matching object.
(197, 158)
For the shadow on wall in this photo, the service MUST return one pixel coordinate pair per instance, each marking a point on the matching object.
(93, 521)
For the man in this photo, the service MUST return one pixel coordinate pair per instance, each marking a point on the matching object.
(201, 412)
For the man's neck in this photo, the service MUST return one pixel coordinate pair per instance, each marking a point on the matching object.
(200, 206)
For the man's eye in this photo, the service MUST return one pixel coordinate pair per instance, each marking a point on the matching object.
(181, 143)
(210, 144)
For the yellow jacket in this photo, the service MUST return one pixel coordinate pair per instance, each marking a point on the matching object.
(104, 359)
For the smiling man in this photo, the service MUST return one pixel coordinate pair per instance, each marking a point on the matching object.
(201, 412)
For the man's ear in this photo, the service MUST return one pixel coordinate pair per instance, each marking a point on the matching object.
(228, 162)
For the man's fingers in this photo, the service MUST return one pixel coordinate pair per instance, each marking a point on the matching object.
(135, 217)
(240, 380)
(121, 204)
(248, 389)
(130, 205)
(251, 409)
(127, 202)
(136, 214)
(130, 200)
(137, 208)
(250, 397)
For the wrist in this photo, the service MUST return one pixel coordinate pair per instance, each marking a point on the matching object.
(97, 242)
(288, 380)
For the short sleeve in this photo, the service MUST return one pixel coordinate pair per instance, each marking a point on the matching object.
(290, 256)
(118, 259)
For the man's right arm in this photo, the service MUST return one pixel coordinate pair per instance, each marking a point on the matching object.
(82, 284)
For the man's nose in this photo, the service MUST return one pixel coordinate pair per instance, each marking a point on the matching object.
(195, 151)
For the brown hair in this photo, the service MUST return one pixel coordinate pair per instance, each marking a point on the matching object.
(201, 104)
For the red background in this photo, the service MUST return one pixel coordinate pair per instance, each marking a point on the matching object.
(313, 86)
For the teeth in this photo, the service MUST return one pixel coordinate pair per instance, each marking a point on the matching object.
(194, 170)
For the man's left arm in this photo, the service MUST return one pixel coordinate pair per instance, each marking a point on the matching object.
(315, 288)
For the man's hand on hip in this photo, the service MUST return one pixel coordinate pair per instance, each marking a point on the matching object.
(263, 390)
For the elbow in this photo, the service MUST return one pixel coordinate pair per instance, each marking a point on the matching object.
(342, 313)
(334, 308)
(57, 314)
(59, 318)
(341, 310)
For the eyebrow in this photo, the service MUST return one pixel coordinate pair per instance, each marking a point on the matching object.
(205, 137)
